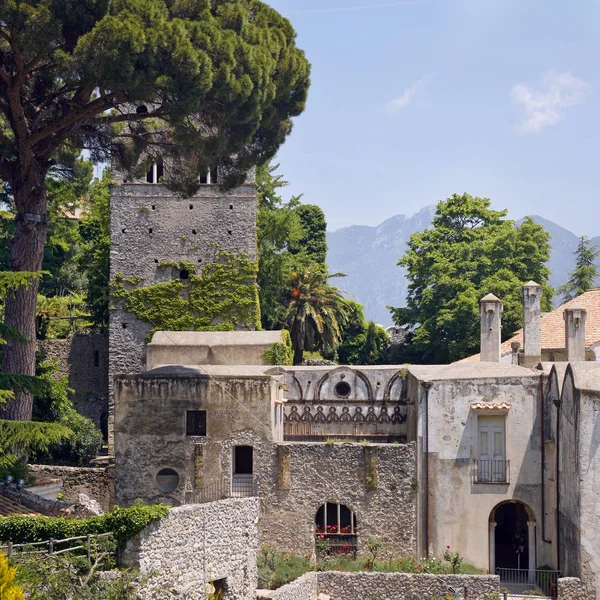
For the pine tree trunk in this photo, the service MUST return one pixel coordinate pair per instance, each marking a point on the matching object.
(26, 254)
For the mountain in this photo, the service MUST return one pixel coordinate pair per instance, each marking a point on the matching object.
(368, 256)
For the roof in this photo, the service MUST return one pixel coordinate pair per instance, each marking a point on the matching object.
(469, 370)
(9, 507)
(553, 326)
(586, 375)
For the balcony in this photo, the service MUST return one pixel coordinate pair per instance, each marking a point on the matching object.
(492, 471)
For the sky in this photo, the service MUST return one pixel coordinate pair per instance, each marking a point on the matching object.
(412, 101)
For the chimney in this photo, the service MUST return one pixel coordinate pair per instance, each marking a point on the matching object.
(531, 294)
(514, 349)
(575, 317)
(490, 309)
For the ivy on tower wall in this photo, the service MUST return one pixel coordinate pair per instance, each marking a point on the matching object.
(222, 297)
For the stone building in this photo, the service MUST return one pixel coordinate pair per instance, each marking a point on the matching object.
(158, 237)
(422, 457)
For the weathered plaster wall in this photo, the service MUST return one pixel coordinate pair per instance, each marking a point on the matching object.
(150, 225)
(405, 586)
(150, 429)
(459, 508)
(569, 490)
(376, 481)
(579, 474)
(196, 544)
(83, 360)
(98, 484)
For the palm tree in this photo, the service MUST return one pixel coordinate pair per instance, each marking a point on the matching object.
(316, 312)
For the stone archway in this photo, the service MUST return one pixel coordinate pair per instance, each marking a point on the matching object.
(512, 537)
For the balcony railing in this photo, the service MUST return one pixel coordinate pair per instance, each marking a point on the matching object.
(492, 471)
(239, 486)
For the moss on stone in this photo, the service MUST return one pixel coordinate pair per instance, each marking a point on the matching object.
(224, 297)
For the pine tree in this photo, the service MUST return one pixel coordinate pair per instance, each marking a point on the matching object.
(202, 83)
(583, 278)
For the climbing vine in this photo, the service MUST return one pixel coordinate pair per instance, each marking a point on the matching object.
(280, 353)
(223, 297)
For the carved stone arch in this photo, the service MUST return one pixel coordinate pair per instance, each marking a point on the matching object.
(295, 385)
(344, 369)
(291, 381)
(398, 376)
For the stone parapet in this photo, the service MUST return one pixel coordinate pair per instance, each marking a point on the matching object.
(196, 546)
(405, 586)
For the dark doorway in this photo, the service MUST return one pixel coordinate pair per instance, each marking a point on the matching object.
(242, 460)
(512, 533)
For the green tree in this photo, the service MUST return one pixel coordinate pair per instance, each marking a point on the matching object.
(363, 343)
(470, 251)
(583, 278)
(316, 312)
(206, 83)
(278, 226)
(311, 246)
(94, 259)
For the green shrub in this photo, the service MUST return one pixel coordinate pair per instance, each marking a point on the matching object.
(123, 523)
(82, 445)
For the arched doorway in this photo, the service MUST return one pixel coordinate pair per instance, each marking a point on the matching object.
(512, 537)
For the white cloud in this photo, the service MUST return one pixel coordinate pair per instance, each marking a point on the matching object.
(545, 105)
(402, 101)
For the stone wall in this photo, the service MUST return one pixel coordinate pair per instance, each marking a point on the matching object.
(198, 544)
(405, 586)
(572, 588)
(97, 484)
(376, 481)
(303, 588)
(83, 360)
(151, 225)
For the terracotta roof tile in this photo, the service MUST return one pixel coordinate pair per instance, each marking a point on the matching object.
(553, 326)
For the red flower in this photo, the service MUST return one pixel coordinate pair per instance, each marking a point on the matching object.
(448, 547)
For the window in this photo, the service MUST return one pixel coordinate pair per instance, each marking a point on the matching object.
(492, 466)
(167, 480)
(195, 423)
(155, 172)
(342, 389)
(335, 529)
(209, 176)
(242, 460)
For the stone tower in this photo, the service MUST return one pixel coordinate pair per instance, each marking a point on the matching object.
(158, 237)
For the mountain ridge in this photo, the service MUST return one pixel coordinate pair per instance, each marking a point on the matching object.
(368, 256)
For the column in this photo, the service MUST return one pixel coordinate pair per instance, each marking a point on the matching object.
(531, 544)
(492, 545)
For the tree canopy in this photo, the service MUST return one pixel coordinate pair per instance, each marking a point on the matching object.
(316, 312)
(584, 277)
(205, 83)
(470, 251)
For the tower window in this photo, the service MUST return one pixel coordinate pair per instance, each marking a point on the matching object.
(195, 423)
(184, 275)
(155, 172)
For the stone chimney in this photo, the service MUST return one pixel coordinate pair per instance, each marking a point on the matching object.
(575, 317)
(514, 350)
(490, 309)
(531, 293)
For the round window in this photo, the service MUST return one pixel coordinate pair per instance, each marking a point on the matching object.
(167, 480)
(342, 389)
